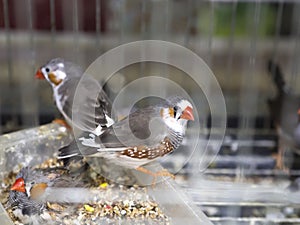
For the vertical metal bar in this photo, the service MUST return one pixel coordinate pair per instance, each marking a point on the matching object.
(13, 105)
(168, 19)
(98, 23)
(52, 17)
(76, 30)
(28, 88)
(167, 32)
(8, 56)
(248, 104)
(30, 118)
(121, 20)
(198, 40)
(8, 42)
(267, 123)
(52, 24)
(277, 30)
(231, 39)
(189, 23)
(143, 31)
(296, 54)
(211, 32)
(25, 92)
(210, 41)
(30, 27)
(248, 94)
(231, 73)
(143, 22)
(75, 16)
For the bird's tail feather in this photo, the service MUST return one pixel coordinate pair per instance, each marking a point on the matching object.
(75, 150)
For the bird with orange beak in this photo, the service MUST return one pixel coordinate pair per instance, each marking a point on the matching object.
(30, 192)
(143, 136)
(27, 189)
(64, 76)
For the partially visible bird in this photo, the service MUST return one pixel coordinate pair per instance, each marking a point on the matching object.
(143, 136)
(297, 131)
(64, 77)
(283, 111)
(32, 186)
(24, 192)
(294, 186)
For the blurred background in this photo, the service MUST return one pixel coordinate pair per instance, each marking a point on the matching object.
(252, 47)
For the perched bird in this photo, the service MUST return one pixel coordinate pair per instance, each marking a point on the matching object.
(283, 110)
(143, 136)
(64, 77)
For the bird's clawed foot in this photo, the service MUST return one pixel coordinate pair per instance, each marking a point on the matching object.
(279, 158)
(62, 123)
(165, 173)
(161, 173)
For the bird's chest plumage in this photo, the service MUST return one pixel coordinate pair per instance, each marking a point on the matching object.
(59, 98)
(150, 153)
(25, 203)
(63, 102)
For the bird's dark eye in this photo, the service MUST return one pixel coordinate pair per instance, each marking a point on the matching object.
(175, 110)
(47, 70)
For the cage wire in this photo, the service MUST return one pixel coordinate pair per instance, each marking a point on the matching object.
(236, 39)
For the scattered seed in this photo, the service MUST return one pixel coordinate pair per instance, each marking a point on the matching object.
(103, 185)
(89, 208)
(124, 205)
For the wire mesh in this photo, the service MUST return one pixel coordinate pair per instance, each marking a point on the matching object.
(235, 38)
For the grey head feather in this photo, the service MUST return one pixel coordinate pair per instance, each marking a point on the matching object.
(71, 69)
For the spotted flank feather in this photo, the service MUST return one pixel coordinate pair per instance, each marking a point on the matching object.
(141, 152)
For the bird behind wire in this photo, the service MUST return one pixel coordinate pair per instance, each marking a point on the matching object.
(64, 77)
(138, 139)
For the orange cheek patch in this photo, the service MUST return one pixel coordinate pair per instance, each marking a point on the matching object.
(171, 112)
(38, 190)
(54, 79)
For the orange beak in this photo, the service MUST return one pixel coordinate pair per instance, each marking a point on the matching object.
(187, 114)
(19, 185)
(39, 75)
